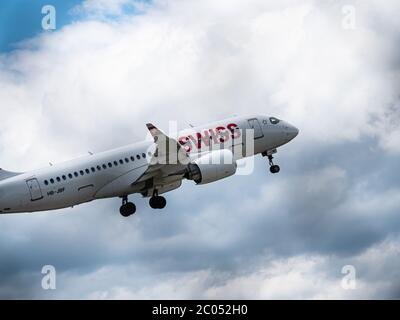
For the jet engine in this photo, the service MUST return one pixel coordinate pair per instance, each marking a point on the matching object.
(211, 167)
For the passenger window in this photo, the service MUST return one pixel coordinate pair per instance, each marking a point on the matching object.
(46, 182)
(133, 158)
(138, 157)
(69, 175)
(87, 171)
(104, 166)
(58, 179)
(51, 181)
(64, 178)
(149, 153)
(121, 161)
(75, 174)
(126, 160)
(143, 155)
(110, 164)
(81, 172)
(98, 168)
(115, 163)
(93, 169)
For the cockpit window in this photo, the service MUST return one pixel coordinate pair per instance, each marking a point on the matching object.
(274, 120)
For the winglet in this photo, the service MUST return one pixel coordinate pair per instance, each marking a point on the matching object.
(155, 132)
(167, 148)
(150, 126)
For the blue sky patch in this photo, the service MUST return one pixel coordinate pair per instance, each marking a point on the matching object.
(22, 19)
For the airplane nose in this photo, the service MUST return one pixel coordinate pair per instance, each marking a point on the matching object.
(295, 131)
(292, 132)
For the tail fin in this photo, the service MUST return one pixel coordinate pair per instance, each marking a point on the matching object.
(7, 174)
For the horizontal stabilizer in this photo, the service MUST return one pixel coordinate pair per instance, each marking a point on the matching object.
(7, 174)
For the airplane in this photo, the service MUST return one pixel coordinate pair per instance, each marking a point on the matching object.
(203, 154)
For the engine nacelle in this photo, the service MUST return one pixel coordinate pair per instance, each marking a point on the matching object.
(211, 167)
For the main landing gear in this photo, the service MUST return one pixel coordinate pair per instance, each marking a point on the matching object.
(157, 202)
(274, 168)
(127, 208)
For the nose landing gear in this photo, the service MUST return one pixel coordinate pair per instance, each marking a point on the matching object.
(274, 168)
(127, 208)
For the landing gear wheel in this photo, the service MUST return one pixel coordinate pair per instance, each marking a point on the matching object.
(274, 169)
(162, 202)
(127, 208)
(157, 202)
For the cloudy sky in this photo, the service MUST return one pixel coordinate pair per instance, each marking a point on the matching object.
(331, 68)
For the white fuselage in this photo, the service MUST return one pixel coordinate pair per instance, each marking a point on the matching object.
(117, 172)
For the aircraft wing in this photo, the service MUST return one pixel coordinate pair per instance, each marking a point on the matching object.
(166, 167)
